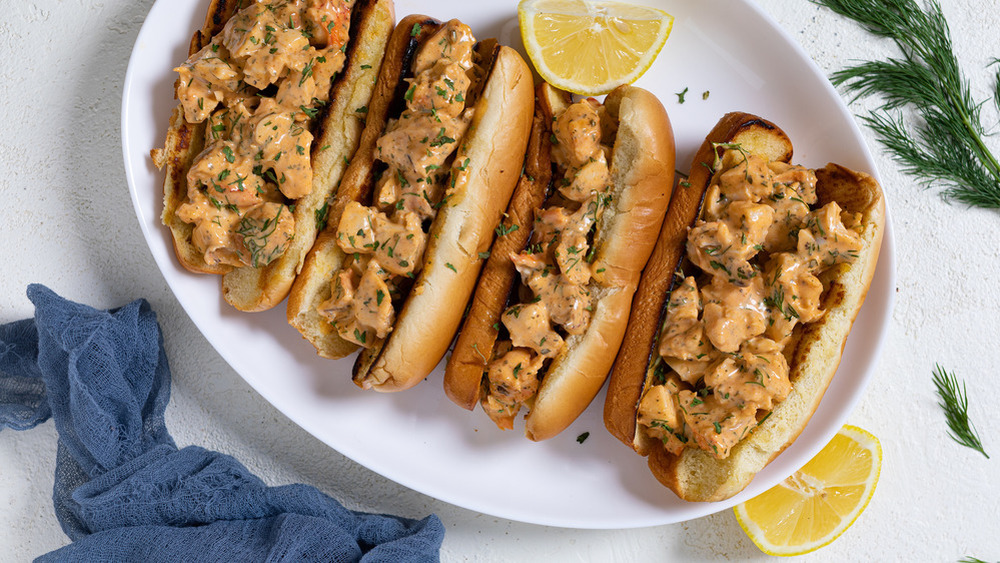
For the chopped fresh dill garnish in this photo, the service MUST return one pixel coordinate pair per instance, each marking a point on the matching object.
(945, 145)
(955, 403)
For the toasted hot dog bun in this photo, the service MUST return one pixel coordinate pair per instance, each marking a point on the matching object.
(326, 257)
(696, 475)
(335, 137)
(641, 168)
(485, 169)
(474, 345)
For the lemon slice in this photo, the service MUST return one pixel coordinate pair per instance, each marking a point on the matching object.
(591, 47)
(818, 502)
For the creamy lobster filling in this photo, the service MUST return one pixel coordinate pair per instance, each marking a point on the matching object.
(555, 268)
(385, 242)
(758, 250)
(259, 83)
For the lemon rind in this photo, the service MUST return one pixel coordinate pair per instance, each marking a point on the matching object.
(865, 440)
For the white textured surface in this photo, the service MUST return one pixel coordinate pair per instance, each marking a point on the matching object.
(67, 222)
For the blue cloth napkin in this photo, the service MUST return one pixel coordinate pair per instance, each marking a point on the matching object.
(124, 492)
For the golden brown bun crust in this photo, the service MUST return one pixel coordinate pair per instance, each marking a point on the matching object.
(462, 231)
(183, 142)
(470, 356)
(628, 375)
(336, 137)
(697, 476)
(642, 171)
(312, 286)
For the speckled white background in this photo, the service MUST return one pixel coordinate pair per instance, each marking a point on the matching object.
(67, 221)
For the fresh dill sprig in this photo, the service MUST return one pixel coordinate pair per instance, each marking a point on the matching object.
(946, 146)
(996, 84)
(955, 403)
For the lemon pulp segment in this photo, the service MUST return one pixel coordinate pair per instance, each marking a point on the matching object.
(817, 503)
(591, 47)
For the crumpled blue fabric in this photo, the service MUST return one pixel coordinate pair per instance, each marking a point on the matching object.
(124, 492)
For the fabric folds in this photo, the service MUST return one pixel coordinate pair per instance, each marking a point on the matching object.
(123, 491)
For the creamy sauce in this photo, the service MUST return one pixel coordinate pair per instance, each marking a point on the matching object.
(259, 84)
(386, 241)
(758, 249)
(512, 380)
(556, 266)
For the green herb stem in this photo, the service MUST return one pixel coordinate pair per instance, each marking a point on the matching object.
(947, 146)
(955, 402)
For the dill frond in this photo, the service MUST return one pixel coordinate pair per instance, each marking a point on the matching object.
(945, 148)
(955, 403)
(996, 84)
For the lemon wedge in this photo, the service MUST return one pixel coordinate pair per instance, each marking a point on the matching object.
(590, 47)
(818, 502)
